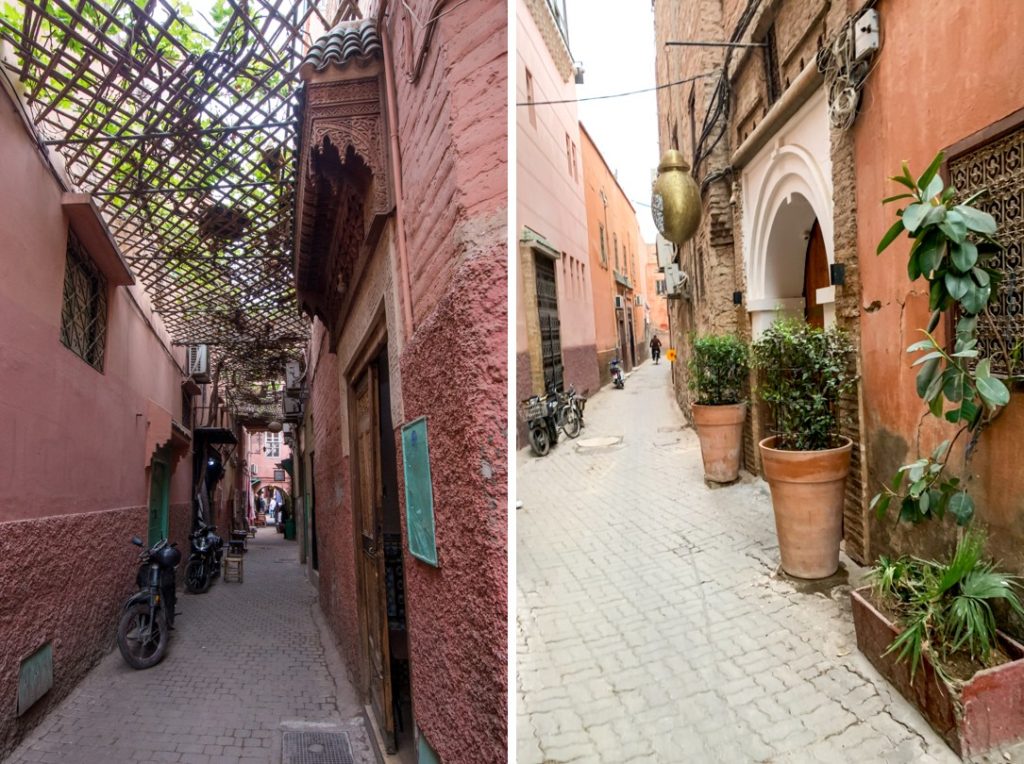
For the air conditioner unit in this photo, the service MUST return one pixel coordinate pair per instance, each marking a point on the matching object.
(292, 375)
(199, 363)
(666, 252)
(292, 409)
(677, 283)
(619, 302)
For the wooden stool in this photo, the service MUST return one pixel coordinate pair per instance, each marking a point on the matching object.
(233, 565)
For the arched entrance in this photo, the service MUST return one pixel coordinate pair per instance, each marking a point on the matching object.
(787, 223)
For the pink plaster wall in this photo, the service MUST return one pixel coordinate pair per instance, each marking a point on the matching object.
(73, 459)
(453, 133)
(452, 130)
(550, 198)
(457, 613)
(335, 523)
(913, 106)
(255, 454)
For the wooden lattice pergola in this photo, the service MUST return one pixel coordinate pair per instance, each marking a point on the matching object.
(181, 125)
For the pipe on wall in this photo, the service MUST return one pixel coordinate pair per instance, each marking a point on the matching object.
(396, 178)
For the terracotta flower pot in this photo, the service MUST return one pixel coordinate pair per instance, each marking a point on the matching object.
(720, 429)
(807, 498)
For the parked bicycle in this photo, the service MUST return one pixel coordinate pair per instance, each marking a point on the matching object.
(569, 413)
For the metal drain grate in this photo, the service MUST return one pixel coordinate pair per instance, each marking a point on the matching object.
(317, 748)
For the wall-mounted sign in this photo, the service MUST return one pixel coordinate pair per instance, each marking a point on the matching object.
(419, 492)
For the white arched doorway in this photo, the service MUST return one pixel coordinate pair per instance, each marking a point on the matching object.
(787, 221)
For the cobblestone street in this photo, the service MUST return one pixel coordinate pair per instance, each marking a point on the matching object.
(652, 626)
(247, 663)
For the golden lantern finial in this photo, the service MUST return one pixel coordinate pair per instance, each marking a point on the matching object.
(675, 199)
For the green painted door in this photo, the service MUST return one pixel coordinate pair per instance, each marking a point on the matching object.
(159, 485)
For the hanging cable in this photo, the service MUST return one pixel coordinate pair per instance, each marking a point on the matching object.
(620, 95)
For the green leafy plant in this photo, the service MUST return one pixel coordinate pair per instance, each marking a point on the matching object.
(718, 369)
(945, 608)
(803, 372)
(952, 244)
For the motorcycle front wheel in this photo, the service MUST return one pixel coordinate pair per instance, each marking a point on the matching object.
(141, 639)
(539, 441)
(197, 577)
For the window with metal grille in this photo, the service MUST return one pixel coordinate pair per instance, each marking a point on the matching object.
(772, 81)
(273, 444)
(83, 317)
(604, 245)
(997, 165)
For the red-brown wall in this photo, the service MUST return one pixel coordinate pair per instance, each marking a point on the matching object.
(451, 368)
(74, 456)
(962, 75)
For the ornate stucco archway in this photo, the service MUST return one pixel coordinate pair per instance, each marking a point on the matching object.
(786, 187)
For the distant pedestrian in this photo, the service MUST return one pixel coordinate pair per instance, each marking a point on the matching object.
(655, 348)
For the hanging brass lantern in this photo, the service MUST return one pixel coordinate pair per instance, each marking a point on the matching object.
(675, 199)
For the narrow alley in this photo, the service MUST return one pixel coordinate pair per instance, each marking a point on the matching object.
(652, 622)
(250, 667)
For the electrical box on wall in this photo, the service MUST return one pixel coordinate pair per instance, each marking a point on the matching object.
(866, 34)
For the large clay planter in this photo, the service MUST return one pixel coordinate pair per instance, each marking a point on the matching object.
(972, 717)
(807, 497)
(720, 429)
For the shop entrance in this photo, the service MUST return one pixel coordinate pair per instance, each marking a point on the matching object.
(379, 554)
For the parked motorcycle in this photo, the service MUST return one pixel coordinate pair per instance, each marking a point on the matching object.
(204, 560)
(541, 417)
(617, 377)
(147, 617)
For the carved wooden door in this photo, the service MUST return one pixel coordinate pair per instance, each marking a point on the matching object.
(373, 602)
(816, 277)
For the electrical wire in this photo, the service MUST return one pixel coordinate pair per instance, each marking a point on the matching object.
(620, 95)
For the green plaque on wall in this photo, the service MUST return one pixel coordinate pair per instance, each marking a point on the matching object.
(419, 491)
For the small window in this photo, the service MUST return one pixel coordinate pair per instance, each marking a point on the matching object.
(772, 83)
(83, 318)
(575, 164)
(273, 444)
(615, 246)
(186, 410)
(604, 244)
(568, 152)
(252, 469)
(279, 476)
(529, 99)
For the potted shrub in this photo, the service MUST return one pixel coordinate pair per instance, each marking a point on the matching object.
(928, 617)
(936, 622)
(718, 372)
(803, 371)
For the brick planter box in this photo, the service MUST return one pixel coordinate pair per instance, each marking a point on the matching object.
(986, 711)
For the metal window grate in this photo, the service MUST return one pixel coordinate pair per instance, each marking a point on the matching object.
(772, 80)
(83, 318)
(998, 167)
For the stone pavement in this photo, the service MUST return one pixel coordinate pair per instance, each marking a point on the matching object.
(247, 662)
(652, 625)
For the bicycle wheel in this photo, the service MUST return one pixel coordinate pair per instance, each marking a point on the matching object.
(571, 422)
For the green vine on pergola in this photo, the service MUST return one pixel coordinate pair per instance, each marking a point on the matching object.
(181, 124)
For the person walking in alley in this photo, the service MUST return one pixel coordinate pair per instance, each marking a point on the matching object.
(655, 348)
